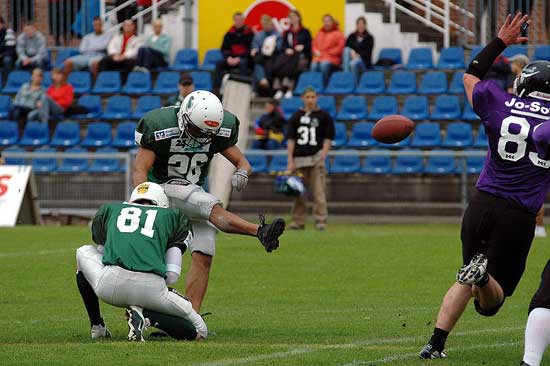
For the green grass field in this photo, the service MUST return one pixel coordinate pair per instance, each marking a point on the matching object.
(353, 295)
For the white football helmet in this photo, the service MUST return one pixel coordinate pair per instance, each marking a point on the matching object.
(200, 118)
(149, 191)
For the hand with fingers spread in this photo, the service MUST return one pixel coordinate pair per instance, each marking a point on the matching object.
(510, 32)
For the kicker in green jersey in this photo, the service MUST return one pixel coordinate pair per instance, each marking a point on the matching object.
(136, 237)
(158, 131)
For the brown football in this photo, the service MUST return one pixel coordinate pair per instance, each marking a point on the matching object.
(392, 129)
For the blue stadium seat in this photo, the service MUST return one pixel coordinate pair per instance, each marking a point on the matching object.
(347, 164)
(383, 106)
(457, 85)
(420, 58)
(515, 49)
(474, 51)
(481, 137)
(66, 134)
(451, 58)
(107, 82)
(440, 165)
(309, 78)
(167, 83)
(468, 114)
(402, 82)
(81, 81)
(92, 103)
(416, 107)
(15, 80)
(98, 135)
(187, 59)
(290, 105)
(278, 164)
(380, 164)
(15, 161)
(125, 135)
(341, 82)
(542, 53)
(433, 82)
(35, 134)
(393, 54)
(340, 135)
(211, 58)
(118, 107)
(63, 54)
(459, 135)
(46, 79)
(426, 134)
(145, 104)
(328, 104)
(44, 165)
(9, 133)
(353, 108)
(361, 135)
(258, 163)
(407, 164)
(446, 107)
(104, 165)
(74, 165)
(371, 82)
(474, 164)
(5, 105)
(137, 83)
(202, 80)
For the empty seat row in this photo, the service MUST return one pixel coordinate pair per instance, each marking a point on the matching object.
(353, 108)
(379, 164)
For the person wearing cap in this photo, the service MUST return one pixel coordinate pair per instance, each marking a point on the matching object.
(186, 86)
(310, 133)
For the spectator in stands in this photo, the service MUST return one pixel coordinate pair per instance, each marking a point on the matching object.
(92, 49)
(121, 51)
(295, 58)
(358, 52)
(265, 46)
(156, 50)
(31, 48)
(28, 100)
(235, 49)
(186, 86)
(328, 46)
(58, 97)
(517, 63)
(7, 47)
(310, 134)
(269, 127)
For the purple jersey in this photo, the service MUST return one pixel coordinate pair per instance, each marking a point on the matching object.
(519, 139)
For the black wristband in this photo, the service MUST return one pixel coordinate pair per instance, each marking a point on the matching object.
(485, 58)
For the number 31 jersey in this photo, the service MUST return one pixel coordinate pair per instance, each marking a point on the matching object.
(519, 136)
(158, 131)
(136, 237)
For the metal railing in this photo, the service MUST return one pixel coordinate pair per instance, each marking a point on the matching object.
(434, 16)
(111, 14)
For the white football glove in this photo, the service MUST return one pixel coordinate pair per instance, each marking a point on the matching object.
(239, 179)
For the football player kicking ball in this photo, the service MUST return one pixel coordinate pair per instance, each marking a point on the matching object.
(499, 223)
(140, 245)
(176, 146)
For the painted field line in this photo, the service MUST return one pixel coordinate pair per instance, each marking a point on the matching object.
(36, 253)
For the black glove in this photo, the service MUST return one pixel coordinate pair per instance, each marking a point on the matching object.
(268, 234)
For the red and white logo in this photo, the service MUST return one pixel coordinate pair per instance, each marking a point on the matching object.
(277, 9)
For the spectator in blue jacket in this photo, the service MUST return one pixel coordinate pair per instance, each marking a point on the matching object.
(156, 50)
(31, 48)
(265, 47)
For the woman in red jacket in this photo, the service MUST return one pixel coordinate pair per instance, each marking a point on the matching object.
(328, 46)
(58, 98)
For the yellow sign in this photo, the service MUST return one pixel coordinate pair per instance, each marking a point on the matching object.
(215, 16)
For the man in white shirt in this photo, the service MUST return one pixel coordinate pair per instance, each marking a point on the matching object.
(92, 48)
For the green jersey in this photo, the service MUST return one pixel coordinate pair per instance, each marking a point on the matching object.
(136, 237)
(158, 131)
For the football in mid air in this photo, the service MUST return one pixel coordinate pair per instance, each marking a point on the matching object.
(392, 129)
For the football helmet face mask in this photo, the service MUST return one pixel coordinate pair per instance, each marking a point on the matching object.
(534, 81)
(200, 118)
(151, 192)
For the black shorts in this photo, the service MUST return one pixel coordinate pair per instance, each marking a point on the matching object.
(501, 229)
(542, 296)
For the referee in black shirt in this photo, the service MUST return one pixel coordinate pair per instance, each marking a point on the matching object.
(310, 134)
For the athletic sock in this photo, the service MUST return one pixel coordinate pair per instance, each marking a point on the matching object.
(537, 336)
(174, 326)
(439, 337)
(91, 302)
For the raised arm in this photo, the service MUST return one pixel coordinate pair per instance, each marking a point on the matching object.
(143, 163)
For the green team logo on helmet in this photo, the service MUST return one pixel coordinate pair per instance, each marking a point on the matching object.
(190, 103)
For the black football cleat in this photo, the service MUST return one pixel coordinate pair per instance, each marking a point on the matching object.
(474, 271)
(136, 323)
(268, 234)
(429, 352)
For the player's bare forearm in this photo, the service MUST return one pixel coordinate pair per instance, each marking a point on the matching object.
(237, 158)
(231, 223)
(143, 163)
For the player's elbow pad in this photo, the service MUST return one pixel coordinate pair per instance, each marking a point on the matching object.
(171, 278)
